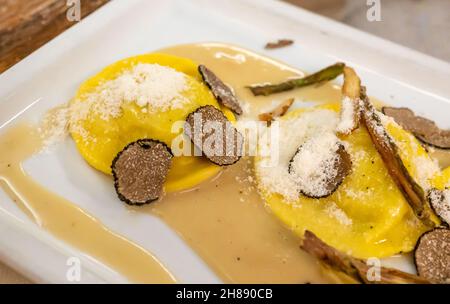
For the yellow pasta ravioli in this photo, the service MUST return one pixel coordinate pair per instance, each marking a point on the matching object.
(102, 138)
(367, 216)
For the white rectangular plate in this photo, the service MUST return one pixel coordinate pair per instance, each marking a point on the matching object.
(51, 75)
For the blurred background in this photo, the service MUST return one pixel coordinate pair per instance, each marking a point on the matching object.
(424, 25)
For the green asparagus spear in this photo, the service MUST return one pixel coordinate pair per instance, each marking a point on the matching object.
(327, 74)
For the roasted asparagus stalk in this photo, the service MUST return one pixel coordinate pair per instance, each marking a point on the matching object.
(327, 74)
(355, 268)
(351, 102)
(412, 191)
(352, 83)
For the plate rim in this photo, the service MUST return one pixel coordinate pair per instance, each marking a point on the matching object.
(11, 78)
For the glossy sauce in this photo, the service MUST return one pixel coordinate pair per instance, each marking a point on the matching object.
(64, 219)
(223, 220)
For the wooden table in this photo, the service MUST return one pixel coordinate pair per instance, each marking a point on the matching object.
(25, 25)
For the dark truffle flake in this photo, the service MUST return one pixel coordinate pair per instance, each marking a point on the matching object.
(224, 148)
(220, 90)
(140, 171)
(424, 129)
(278, 44)
(440, 203)
(432, 255)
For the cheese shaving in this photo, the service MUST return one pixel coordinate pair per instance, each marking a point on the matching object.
(314, 165)
(54, 127)
(276, 179)
(349, 115)
(152, 87)
(334, 211)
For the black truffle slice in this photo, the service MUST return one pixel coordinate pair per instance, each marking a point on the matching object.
(440, 202)
(424, 129)
(327, 177)
(140, 170)
(214, 135)
(432, 255)
(220, 90)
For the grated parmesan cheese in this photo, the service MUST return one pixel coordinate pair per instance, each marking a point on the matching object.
(314, 165)
(54, 127)
(151, 86)
(276, 178)
(349, 114)
(334, 211)
(426, 170)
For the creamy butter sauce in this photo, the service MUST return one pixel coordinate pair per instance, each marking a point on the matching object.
(224, 220)
(239, 68)
(64, 219)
